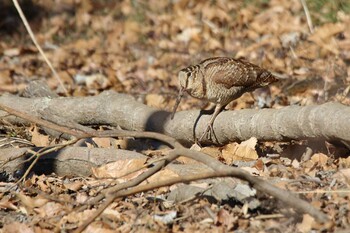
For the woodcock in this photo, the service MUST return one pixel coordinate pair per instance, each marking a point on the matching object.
(221, 80)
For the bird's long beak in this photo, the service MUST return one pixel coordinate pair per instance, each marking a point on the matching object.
(181, 92)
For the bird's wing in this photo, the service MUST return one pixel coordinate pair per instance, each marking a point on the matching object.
(231, 72)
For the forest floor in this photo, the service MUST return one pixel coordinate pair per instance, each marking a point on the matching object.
(137, 47)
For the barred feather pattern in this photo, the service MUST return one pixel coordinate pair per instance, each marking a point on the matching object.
(223, 79)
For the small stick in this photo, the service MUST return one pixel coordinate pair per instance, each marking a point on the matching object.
(308, 16)
(31, 34)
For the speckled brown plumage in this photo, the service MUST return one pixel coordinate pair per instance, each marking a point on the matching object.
(221, 80)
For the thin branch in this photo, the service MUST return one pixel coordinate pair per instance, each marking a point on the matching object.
(228, 172)
(259, 184)
(308, 16)
(84, 132)
(43, 152)
(167, 159)
(42, 122)
(219, 168)
(30, 32)
(11, 159)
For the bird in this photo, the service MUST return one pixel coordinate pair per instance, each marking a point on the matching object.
(220, 80)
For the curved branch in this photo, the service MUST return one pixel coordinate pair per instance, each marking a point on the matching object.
(178, 150)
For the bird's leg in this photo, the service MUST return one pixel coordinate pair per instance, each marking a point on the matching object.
(209, 128)
(211, 107)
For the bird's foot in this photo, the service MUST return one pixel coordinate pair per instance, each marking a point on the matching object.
(196, 143)
(209, 130)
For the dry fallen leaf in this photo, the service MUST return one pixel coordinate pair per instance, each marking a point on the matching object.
(212, 151)
(73, 186)
(307, 223)
(320, 159)
(31, 203)
(155, 100)
(162, 175)
(326, 31)
(343, 175)
(121, 168)
(50, 209)
(39, 139)
(17, 227)
(244, 151)
(344, 162)
(224, 218)
(102, 142)
(6, 204)
(134, 47)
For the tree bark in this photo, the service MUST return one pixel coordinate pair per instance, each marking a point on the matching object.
(69, 161)
(329, 121)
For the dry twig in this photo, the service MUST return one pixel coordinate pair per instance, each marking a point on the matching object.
(31, 34)
(178, 150)
(41, 153)
(308, 16)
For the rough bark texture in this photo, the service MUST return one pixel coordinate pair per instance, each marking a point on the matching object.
(76, 161)
(330, 121)
(79, 161)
